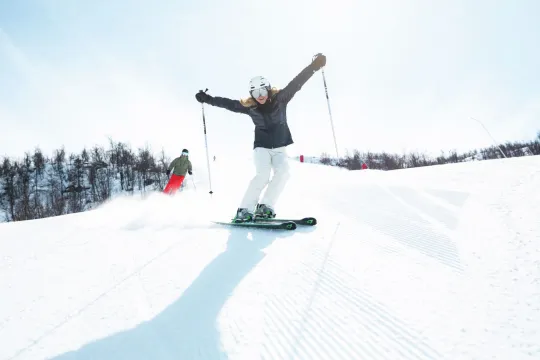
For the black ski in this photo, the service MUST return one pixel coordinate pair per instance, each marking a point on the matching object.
(307, 221)
(259, 224)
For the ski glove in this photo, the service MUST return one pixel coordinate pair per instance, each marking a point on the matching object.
(168, 172)
(190, 172)
(318, 62)
(202, 97)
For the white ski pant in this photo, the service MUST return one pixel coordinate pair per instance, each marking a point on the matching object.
(265, 161)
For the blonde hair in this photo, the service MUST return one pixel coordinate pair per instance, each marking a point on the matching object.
(250, 102)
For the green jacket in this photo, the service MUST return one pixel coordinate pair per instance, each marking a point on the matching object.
(180, 166)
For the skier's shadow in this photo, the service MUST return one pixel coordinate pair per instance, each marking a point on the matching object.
(187, 328)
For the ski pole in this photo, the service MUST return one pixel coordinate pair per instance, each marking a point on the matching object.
(492, 138)
(206, 145)
(193, 181)
(329, 109)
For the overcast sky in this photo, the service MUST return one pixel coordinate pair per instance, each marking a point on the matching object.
(401, 75)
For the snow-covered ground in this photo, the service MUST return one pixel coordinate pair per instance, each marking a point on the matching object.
(441, 262)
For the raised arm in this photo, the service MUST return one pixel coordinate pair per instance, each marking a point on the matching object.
(288, 92)
(225, 103)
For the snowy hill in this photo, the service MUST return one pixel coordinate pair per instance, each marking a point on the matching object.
(440, 262)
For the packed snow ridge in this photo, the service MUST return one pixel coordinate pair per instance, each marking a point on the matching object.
(441, 262)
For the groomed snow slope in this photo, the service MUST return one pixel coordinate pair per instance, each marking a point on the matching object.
(432, 263)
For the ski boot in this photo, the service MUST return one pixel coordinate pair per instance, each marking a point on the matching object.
(264, 211)
(243, 215)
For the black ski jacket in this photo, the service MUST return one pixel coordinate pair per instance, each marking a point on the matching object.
(270, 119)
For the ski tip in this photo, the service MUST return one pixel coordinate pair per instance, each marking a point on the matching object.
(309, 221)
(289, 225)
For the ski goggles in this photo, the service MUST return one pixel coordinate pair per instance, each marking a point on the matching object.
(185, 153)
(259, 92)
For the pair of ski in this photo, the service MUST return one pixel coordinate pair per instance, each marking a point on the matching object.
(273, 223)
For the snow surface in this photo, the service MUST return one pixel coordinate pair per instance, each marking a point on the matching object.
(440, 262)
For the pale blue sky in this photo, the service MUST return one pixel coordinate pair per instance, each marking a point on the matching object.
(402, 75)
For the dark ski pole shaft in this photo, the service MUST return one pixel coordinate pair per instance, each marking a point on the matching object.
(329, 110)
(206, 145)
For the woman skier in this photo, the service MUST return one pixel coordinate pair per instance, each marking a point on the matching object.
(179, 166)
(267, 107)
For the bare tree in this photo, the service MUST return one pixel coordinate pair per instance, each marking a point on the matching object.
(10, 195)
(39, 162)
(56, 179)
(325, 159)
(145, 165)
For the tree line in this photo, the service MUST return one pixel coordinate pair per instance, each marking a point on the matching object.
(392, 161)
(38, 186)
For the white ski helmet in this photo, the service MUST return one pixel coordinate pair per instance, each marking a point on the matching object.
(259, 82)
